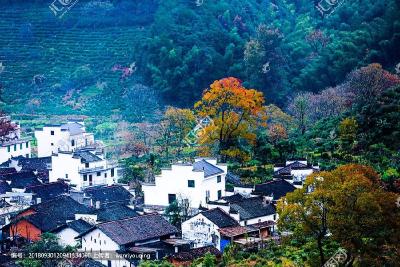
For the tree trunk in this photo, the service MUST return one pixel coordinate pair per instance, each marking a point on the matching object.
(321, 251)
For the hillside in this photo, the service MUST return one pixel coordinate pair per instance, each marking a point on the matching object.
(76, 64)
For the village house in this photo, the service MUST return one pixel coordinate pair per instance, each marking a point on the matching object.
(64, 137)
(19, 181)
(294, 171)
(274, 189)
(40, 166)
(249, 236)
(246, 210)
(196, 183)
(44, 217)
(83, 168)
(14, 145)
(149, 235)
(202, 229)
(47, 191)
(67, 232)
(104, 195)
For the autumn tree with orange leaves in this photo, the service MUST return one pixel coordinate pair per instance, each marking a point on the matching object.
(236, 113)
(349, 203)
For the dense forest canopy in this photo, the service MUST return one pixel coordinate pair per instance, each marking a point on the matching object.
(102, 50)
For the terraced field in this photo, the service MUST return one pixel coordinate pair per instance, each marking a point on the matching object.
(59, 66)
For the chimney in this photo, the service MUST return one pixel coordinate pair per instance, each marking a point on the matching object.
(97, 205)
(38, 200)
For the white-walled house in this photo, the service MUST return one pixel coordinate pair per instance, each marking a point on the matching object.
(247, 210)
(65, 137)
(13, 145)
(295, 171)
(82, 168)
(141, 233)
(202, 229)
(67, 232)
(200, 182)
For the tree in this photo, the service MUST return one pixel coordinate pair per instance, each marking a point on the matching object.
(367, 83)
(305, 213)
(236, 113)
(357, 205)
(179, 210)
(48, 243)
(7, 128)
(299, 108)
(349, 202)
(173, 128)
(348, 128)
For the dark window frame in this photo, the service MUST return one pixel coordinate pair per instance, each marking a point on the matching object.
(191, 183)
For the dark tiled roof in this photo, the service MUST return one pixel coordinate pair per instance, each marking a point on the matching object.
(32, 164)
(208, 168)
(5, 187)
(253, 207)
(114, 212)
(4, 171)
(233, 178)
(262, 225)
(48, 191)
(136, 229)
(236, 230)
(108, 194)
(74, 128)
(54, 213)
(234, 198)
(21, 179)
(80, 225)
(277, 188)
(196, 253)
(86, 156)
(219, 218)
(288, 168)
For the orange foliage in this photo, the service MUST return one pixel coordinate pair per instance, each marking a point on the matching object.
(236, 113)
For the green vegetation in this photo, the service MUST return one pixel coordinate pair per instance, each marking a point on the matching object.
(83, 63)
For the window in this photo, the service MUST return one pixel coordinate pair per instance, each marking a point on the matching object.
(72, 142)
(98, 173)
(86, 165)
(52, 132)
(15, 147)
(90, 179)
(52, 144)
(191, 183)
(105, 175)
(66, 175)
(112, 172)
(27, 144)
(218, 178)
(9, 149)
(20, 146)
(171, 198)
(274, 217)
(27, 156)
(85, 177)
(108, 263)
(219, 194)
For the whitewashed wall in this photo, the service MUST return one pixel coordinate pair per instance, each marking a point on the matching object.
(200, 230)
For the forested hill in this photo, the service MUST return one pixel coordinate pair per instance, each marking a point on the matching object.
(131, 57)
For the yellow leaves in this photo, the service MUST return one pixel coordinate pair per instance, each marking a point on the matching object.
(236, 112)
(348, 129)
